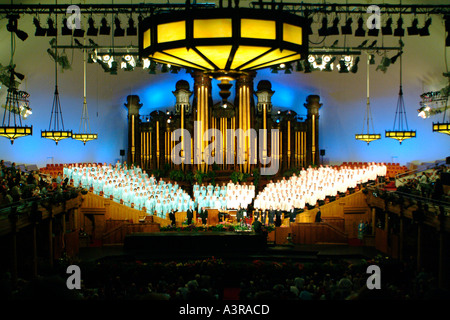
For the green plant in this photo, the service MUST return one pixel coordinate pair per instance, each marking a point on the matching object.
(256, 177)
(212, 175)
(199, 176)
(177, 175)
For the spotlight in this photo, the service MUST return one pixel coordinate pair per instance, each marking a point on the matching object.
(385, 63)
(118, 31)
(299, 66)
(394, 58)
(347, 29)
(308, 67)
(354, 67)
(92, 30)
(360, 32)
(164, 68)
(128, 63)
(51, 31)
(371, 59)
(413, 30)
(288, 69)
(113, 68)
(92, 43)
(424, 31)
(399, 32)
(40, 32)
(343, 66)
(334, 30)
(64, 30)
(328, 65)
(104, 28)
(372, 44)
(78, 33)
(373, 32)
(12, 27)
(131, 30)
(387, 30)
(324, 30)
(274, 69)
(363, 44)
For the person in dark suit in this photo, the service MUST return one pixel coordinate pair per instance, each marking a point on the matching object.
(240, 214)
(257, 226)
(318, 216)
(203, 215)
(271, 215)
(292, 214)
(172, 217)
(278, 214)
(264, 215)
(190, 215)
(256, 215)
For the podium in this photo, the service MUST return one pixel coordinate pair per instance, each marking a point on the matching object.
(213, 216)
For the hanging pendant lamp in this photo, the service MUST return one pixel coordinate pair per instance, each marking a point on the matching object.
(56, 131)
(16, 106)
(367, 136)
(401, 131)
(444, 126)
(85, 134)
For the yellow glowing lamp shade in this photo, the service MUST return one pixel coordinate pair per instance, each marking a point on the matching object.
(400, 135)
(224, 39)
(12, 133)
(443, 127)
(84, 137)
(56, 135)
(368, 137)
(212, 28)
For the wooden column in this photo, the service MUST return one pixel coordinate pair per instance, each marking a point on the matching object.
(373, 220)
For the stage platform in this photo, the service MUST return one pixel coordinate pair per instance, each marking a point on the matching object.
(214, 243)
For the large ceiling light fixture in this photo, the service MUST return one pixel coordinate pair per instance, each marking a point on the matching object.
(16, 105)
(56, 130)
(367, 136)
(84, 134)
(239, 39)
(400, 131)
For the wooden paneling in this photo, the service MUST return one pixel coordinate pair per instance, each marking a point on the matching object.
(311, 233)
(381, 240)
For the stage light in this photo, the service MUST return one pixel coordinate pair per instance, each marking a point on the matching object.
(12, 27)
(282, 65)
(118, 31)
(92, 30)
(399, 31)
(51, 31)
(299, 66)
(372, 59)
(308, 67)
(64, 30)
(40, 32)
(164, 68)
(288, 69)
(362, 44)
(323, 31)
(413, 30)
(343, 66)
(131, 30)
(274, 69)
(347, 29)
(387, 30)
(104, 28)
(384, 64)
(354, 67)
(78, 32)
(394, 58)
(92, 43)
(373, 32)
(329, 63)
(128, 63)
(113, 68)
(334, 30)
(424, 31)
(360, 32)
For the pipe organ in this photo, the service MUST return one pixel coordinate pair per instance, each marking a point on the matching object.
(194, 136)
